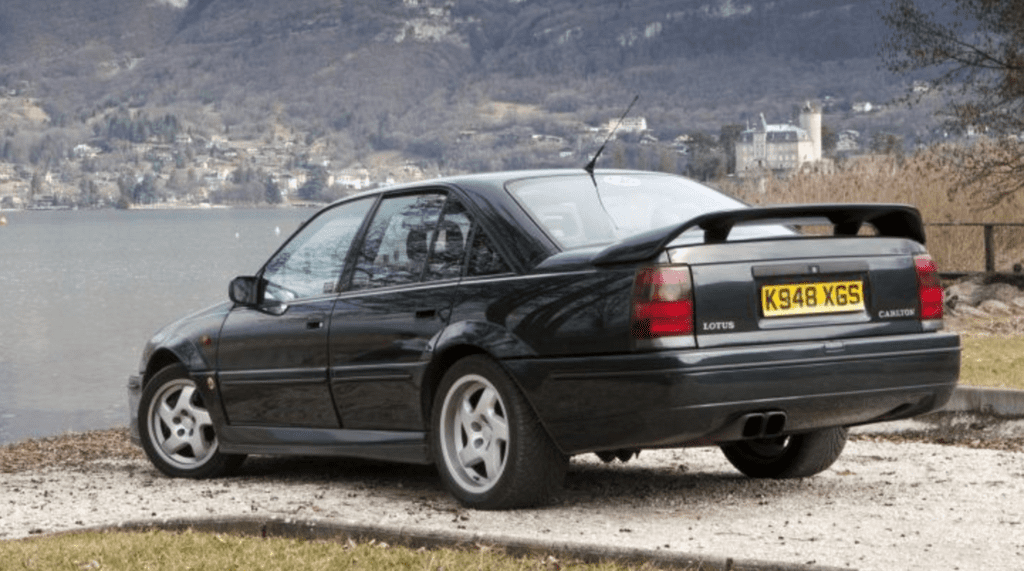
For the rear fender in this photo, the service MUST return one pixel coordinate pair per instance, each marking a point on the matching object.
(463, 339)
(492, 339)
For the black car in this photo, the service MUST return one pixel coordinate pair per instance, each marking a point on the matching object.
(497, 324)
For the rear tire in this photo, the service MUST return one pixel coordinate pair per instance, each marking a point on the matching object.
(490, 449)
(176, 430)
(795, 456)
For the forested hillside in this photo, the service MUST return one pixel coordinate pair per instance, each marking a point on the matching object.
(353, 79)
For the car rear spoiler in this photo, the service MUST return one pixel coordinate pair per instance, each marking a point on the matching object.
(893, 220)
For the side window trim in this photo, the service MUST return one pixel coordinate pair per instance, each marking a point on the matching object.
(482, 223)
(345, 279)
(433, 238)
(478, 227)
(464, 262)
(468, 256)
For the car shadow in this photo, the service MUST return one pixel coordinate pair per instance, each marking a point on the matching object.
(591, 482)
(586, 483)
(343, 470)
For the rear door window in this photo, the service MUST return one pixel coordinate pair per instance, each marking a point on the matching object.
(398, 241)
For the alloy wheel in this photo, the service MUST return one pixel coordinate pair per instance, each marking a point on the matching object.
(475, 433)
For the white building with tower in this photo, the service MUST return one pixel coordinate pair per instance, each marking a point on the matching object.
(780, 147)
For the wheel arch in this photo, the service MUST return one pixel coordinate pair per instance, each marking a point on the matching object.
(460, 340)
(452, 354)
(525, 471)
(436, 370)
(178, 350)
(161, 359)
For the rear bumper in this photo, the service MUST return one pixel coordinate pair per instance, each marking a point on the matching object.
(699, 397)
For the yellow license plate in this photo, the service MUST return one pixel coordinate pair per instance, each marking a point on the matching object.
(783, 300)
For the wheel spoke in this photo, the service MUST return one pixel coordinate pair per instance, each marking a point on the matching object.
(185, 400)
(485, 406)
(492, 458)
(462, 433)
(174, 443)
(166, 414)
(499, 426)
(200, 446)
(201, 417)
(469, 456)
(468, 419)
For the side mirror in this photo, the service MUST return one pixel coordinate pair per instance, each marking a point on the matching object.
(244, 290)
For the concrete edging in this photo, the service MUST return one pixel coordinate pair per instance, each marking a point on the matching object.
(313, 530)
(1007, 403)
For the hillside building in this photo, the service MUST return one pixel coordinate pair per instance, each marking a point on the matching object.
(780, 147)
(635, 125)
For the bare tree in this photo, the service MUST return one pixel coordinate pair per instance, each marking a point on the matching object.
(973, 51)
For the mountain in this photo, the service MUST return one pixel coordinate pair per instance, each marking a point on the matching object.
(407, 76)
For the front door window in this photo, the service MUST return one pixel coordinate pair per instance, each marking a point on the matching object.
(311, 263)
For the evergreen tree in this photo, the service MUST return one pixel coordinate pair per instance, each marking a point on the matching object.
(272, 194)
(316, 184)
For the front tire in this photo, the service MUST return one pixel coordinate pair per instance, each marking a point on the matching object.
(795, 456)
(490, 449)
(176, 429)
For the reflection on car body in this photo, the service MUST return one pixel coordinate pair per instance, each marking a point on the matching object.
(497, 324)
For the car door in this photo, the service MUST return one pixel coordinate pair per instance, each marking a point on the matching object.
(402, 284)
(272, 357)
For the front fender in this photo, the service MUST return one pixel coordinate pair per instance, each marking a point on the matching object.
(191, 341)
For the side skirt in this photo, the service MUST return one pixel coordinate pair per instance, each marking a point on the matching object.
(390, 446)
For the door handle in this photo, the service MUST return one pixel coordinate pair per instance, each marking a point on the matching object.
(426, 313)
(315, 324)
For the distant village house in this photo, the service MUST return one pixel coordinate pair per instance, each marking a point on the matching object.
(629, 125)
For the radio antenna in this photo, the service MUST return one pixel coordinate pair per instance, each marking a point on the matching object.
(593, 162)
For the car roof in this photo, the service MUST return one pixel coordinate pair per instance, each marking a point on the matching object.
(502, 216)
(496, 181)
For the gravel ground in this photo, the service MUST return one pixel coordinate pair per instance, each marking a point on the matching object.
(942, 494)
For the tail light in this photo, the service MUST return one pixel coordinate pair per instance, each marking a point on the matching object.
(929, 288)
(662, 302)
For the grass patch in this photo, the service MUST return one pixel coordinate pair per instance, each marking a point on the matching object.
(992, 361)
(162, 550)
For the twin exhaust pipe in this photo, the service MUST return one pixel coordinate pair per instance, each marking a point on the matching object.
(762, 424)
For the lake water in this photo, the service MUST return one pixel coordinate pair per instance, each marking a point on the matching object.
(81, 292)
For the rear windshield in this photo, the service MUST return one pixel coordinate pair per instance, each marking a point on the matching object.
(575, 214)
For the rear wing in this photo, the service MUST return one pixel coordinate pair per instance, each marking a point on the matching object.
(893, 220)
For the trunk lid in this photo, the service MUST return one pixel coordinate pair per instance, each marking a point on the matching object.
(803, 289)
(770, 283)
